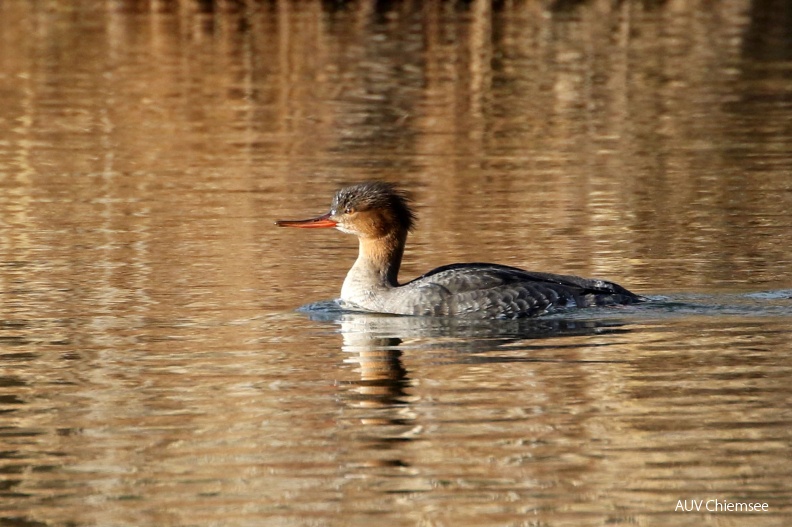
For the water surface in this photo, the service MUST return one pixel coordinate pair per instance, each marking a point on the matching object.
(154, 369)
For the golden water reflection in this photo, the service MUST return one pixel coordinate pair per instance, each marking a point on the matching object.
(153, 372)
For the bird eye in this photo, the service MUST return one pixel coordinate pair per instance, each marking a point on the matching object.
(349, 210)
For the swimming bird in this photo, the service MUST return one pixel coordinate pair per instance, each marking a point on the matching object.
(379, 214)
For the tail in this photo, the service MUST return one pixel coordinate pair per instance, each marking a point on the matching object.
(604, 293)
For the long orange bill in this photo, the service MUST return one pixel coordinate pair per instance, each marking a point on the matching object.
(313, 223)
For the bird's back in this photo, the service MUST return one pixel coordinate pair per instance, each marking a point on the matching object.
(498, 291)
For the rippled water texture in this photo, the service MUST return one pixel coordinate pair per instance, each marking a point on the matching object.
(155, 370)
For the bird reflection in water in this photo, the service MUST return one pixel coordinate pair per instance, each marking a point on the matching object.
(382, 395)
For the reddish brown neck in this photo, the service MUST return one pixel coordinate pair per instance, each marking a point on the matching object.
(381, 257)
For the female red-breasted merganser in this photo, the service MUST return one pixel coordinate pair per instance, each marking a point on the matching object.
(379, 215)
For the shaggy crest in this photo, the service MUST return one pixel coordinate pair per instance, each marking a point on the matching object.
(376, 195)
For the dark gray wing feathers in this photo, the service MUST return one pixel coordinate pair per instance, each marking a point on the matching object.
(497, 290)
